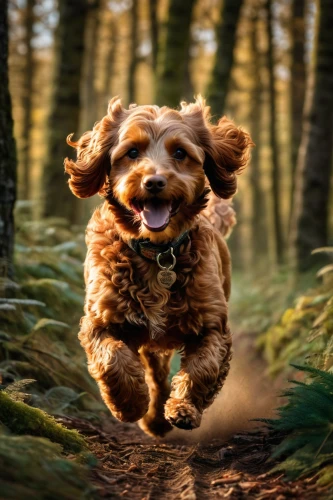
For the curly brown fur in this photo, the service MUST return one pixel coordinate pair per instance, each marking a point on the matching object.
(132, 324)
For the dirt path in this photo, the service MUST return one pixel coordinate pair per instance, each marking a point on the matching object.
(225, 458)
(131, 465)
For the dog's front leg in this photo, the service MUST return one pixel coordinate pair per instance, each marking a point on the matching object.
(117, 369)
(204, 367)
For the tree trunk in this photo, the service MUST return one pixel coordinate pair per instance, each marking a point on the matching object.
(133, 52)
(110, 57)
(298, 73)
(65, 107)
(90, 57)
(27, 99)
(259, 233)
(314, 163)
(7, 158)
(109, 62)
(276, 194)
(172, 84)
(154, 32)
(226, 39)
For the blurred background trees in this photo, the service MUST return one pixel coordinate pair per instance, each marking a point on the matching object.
(65, 100)
(7, 158)
(253, 60)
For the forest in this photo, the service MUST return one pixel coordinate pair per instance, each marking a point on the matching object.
(268, 66)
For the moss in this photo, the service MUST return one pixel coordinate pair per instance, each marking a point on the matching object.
(34, 469)
(22, 419)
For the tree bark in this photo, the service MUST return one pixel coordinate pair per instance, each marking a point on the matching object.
(133, 52)
(172, 84)
(90, 57)
(153, 4)
(7, 157)
(314, 163)
(259, 233)
(226, 39)
(276, 193)
(27, 99)
(110, 57)
(65, 107)
(297, 93)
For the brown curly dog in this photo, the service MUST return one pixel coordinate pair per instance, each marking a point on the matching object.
(157, 271)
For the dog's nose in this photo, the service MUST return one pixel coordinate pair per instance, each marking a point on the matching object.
(154, 183)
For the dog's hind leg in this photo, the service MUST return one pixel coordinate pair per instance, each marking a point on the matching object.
(157, 370)
(117, 370)
(204, 367)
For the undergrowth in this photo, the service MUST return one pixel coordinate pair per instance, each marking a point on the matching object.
(39, 316)
(307, 421)
(292, 325)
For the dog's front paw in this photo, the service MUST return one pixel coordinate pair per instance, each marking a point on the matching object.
(182, 414)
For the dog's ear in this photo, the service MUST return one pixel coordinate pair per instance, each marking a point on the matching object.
(227, 153)
(227, 147)
(89, 173)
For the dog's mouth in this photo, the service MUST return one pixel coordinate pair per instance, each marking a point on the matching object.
(155, 213)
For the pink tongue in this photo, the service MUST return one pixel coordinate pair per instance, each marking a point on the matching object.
(155, 214)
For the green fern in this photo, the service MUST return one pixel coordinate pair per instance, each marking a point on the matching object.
(307, 420)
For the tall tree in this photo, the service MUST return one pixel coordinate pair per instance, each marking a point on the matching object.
(109, 64)
(297, 93)
(28, 74)
(259, 232)
(314, 163)
(226, 39)
(172, 83)
(90, 58)
(276, 194)
(65, 106)
(133, 50)
(154, 29)
(7, 155)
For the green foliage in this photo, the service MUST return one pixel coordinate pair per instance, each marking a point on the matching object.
(34, 469)
(60, 299)
(22, 419)
(307, 421)
(39, 324)
(39, 316)
(257, 303)
(296, 326)
(303, 332)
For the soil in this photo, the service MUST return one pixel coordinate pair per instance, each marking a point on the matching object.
(134, 466)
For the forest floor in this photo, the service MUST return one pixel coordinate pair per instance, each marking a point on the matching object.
(132, 465)
(228, 457)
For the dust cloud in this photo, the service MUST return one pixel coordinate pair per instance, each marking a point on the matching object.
(248, 393)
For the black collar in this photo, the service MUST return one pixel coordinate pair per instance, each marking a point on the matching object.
(150, 250)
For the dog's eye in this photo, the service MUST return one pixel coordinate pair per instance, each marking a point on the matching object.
(133, 153)
(180, 154)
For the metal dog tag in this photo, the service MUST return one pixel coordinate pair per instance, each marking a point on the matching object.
(166, 277)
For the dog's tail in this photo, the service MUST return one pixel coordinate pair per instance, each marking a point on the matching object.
(221, 214)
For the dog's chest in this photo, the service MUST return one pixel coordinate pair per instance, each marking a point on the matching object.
(160, 310)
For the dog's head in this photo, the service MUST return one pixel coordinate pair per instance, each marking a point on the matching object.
(151, 164)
